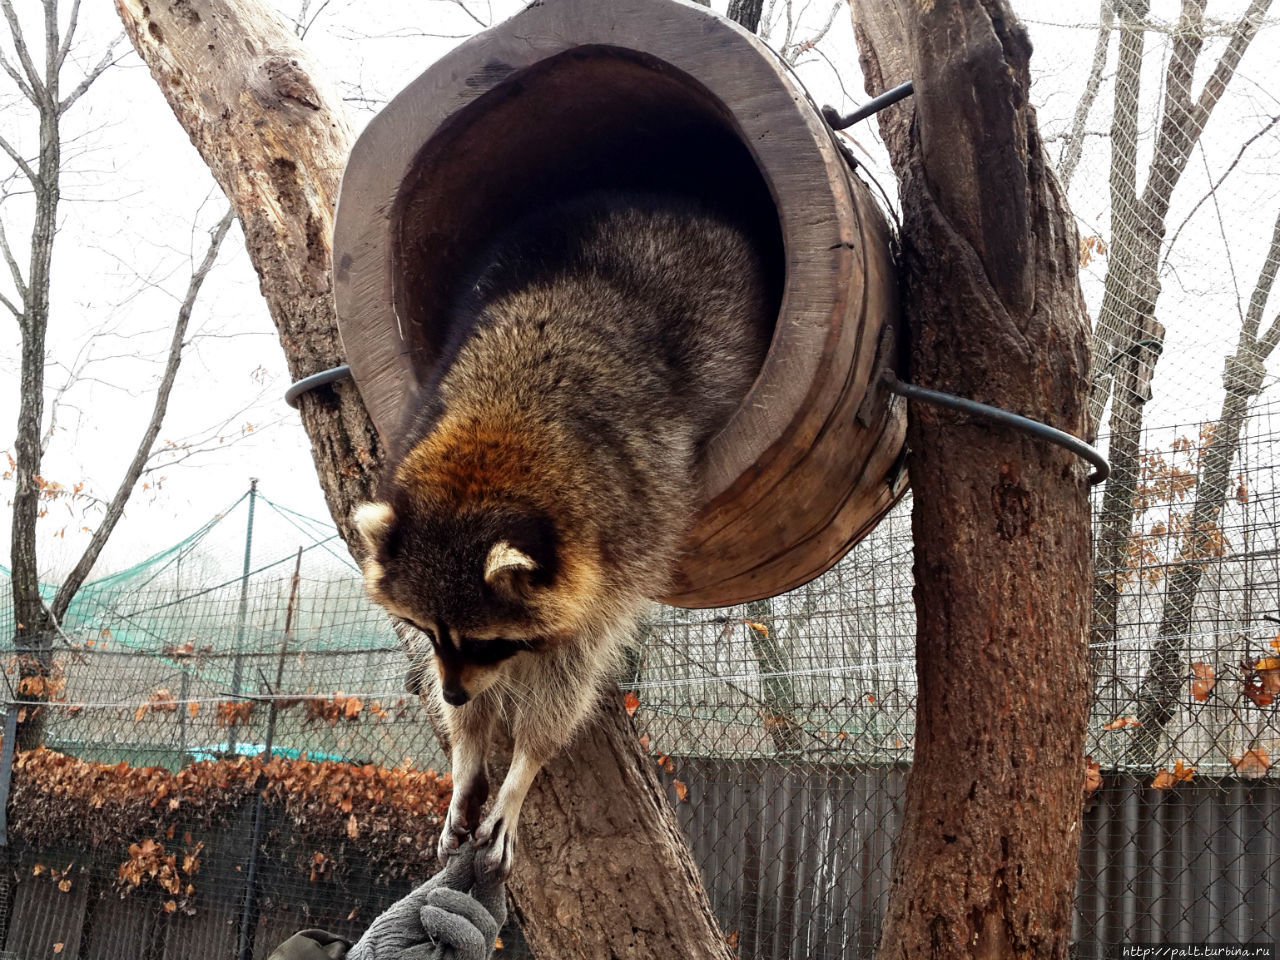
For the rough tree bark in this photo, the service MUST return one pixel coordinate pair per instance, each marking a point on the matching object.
(986, 860)
(603, 870)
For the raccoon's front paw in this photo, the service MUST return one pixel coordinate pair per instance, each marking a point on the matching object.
(495, 847)
(453, 834)
(464, 810)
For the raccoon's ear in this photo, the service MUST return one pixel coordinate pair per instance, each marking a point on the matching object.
(374, 521)
(504, 562)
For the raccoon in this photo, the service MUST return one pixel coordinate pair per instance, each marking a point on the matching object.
(547, 483)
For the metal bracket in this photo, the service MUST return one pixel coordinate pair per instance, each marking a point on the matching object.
(872, 106)
(1023, 424)
(323, 378)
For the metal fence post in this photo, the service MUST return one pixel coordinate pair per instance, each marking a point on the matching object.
(237, 670)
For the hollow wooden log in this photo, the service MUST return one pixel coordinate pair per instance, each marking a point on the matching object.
(655, 94)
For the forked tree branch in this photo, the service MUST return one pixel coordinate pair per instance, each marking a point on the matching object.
(34, 80)
(115, 508)
(1074, 145)
(109, 59)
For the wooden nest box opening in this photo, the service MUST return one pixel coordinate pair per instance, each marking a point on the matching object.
(571, 96)
(589, 119)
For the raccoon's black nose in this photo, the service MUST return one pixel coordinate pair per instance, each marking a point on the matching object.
(455, 696)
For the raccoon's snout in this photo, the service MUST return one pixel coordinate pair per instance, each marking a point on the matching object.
(455, 696)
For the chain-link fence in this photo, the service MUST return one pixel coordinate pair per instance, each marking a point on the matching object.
(232, 760)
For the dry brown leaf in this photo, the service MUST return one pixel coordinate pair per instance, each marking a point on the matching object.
(631, 702)
(682, 791)
(57, 947)
(1165, 779)
(353, 827)
(1092, 775)
(193, 709)
(1253, 765)
(1119, 723)
(757, 627)
(1202, 685)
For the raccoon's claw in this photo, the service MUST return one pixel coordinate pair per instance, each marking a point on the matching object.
(495, 846)
(452, 836)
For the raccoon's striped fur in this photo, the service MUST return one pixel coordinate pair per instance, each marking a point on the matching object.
(546, 486)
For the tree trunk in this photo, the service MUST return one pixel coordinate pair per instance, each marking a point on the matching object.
(986, 861)
(34, 629)
(603, 870)
(777, 691)
(1132, 389)
(747, 13)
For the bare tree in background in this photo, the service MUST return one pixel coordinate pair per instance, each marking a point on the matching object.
(1242, 380)
(1128, 339)
(37, 622)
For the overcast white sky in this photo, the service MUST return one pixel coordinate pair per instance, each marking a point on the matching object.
(137, 203)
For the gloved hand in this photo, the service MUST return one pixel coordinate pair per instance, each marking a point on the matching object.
(447, 918)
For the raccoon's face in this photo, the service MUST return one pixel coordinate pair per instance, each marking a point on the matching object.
(481, 585)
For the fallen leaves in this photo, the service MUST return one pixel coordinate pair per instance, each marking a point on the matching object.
(395, 813)
(162, 701)
(1092, 774)
(1165, 778)
(1119, 723)
(631, 702)
(682, 790)
(1253, 764)
(233, 713)
(1204, 680)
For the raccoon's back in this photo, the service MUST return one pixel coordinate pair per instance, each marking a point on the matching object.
(634, 307)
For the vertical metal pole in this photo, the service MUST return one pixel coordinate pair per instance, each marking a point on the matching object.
(237, 669)
(249, 914)
(6, 765)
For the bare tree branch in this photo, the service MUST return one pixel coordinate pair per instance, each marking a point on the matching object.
(1258, 300)
(108, 59)
(1217, 183)
(142, 454)
(4, 301)
(461, 5)
(1075, 139)
(17, 78)
(20, 47)
(14, 270)
(25, 167)
(1245, 30)
(65, 47)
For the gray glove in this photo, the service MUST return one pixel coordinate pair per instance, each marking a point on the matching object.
(447, 918)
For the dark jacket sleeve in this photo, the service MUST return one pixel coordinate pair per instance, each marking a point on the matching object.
(312, 945)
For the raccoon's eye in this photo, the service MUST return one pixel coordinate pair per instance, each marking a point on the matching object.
(489, 652)
(431, 635)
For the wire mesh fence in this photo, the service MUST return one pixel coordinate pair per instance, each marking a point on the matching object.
(232, 758)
